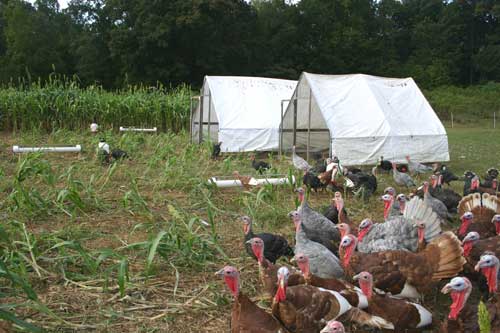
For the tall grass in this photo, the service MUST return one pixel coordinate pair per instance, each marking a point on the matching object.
(62, 103)
(471, 104)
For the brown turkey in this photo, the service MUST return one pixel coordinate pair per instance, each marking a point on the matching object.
(402, 314)
(463, 313)
(306, 309)
(246, 317)
(477, 213)
(474, 246)
(402, 273)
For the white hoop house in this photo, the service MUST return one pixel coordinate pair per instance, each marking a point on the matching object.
(244, 113)
(361, 117)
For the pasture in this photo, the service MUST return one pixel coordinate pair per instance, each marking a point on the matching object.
(133, 246)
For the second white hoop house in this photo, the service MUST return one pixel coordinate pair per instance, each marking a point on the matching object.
(244, 113)
(360, 118)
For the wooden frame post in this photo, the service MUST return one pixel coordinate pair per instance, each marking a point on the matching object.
(309, 126)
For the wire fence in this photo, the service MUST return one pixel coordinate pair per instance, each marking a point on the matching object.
(451, 120)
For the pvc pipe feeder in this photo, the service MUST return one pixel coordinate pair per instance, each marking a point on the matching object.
(56, 149)
(225, 183)
(136, 129)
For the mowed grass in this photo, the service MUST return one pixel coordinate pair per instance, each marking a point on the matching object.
(133, 247)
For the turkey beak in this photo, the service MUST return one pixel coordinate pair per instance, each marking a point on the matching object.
(355, 277)
(446, 289)
(477, 268)
(293, 260)
(248, 241)
(220, 272)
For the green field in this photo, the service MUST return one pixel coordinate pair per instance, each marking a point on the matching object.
(123, 248)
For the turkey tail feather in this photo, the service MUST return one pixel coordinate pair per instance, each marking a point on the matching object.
(451, 260)
(416, 210)
(363, 318)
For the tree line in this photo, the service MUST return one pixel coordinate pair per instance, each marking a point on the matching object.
(114, 43)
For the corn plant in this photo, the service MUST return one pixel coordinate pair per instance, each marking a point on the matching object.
(62, 103)
(484, 318)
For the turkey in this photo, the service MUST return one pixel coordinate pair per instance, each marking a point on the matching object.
(400, 233)
(305, 308)
(469, 187)
(267, 270)
(400, 178)
(321, 165)
(450, 198)
(317, 227)
(405, 274)
(437, 206)
(474, 246)
(490, 180)
(447, 175)
(259, 166)
(246, 181)
(275, 245)
(417, 168)
(477, 213)
(246, 317)
(402, 314)
(298, 162)
(364, 184)
(391, 208)
(216, 149)
(463, 313)
(354, 295)
(333, 326)
(311, 181)
(332, 211)
(385, 165)
(488, 264)
(323, 262)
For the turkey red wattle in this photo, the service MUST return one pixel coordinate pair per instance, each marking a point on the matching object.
(491, 275)
(366, 288)
(458, 301)
(497, 227)
(467, 246)
(387, 206)
(301, 196)
(402, 205)
(344, 229)
(258, 251)
(303, 264)
(474, 184)
(421, 234)
(362, 232)
(348, 251)
(464, 226)
(281, 292)
(232, 284)
(246, 228)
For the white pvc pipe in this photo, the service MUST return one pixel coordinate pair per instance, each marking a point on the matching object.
(67, 149)
(237, 183)
(133, 129)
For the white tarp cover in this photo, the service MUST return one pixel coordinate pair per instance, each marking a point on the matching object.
(247, 109)
(368, 117)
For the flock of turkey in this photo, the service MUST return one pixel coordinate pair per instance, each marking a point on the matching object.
(377, 276)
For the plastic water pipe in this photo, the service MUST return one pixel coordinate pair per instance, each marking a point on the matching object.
(65, 149)
(134, 129)
(236, 183)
